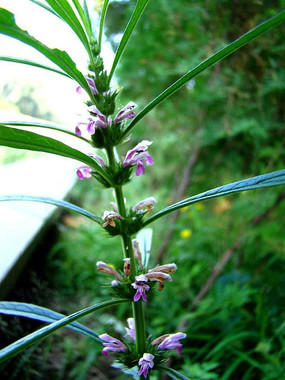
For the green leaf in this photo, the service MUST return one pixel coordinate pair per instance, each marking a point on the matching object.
(101, 24)
(18, 346)
(9, 28)
(84, 15)
(141, 4)
(221, 54)
(51, 201)
(265, 180)
(172, 373)
(32, 63)
(47, 8)
(19, 139)
(46, 125)
(43, 314)
(88, 18)
(66, 12)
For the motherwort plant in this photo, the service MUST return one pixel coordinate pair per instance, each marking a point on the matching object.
(105, 125)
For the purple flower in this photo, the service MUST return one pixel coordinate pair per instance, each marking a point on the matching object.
(131, 330)
(125, 113)
(112, 344)
(90, 125)
(138, 156)
(170, 341)
(141, 287)
(91, 84)
(84, 172)
(102, 120)
(146, 363)
(102, 163)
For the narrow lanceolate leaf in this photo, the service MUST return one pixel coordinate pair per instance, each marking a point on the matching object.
(32, 63)
(44, 6)
(60, 58)
(46, 125)
(66, 12)
(221, 54)
(101, 24)
(141, 4)
(42, 314)
(266, 180)
(19, 139)
(51, 201)
(84, 16)
(88, 18)
(172, 373)
(18, 346)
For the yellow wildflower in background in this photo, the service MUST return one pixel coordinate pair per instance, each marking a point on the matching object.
(199, 206)
(186, 233)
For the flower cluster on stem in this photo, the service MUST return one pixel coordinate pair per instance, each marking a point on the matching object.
(105, 129)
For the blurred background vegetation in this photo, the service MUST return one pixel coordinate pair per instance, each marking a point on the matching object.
(227, 124)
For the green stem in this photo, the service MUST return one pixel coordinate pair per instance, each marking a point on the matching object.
(138, 311)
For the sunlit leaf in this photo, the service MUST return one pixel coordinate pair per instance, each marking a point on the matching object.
(101, 24)
(66, 12)
(221, 54)
(266, 180)
(51, 201)
(18, 346)
(42, 314)
(84, 16)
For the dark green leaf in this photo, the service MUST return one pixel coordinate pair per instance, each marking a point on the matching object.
(43, 314)
(31, 63)
(17, 138)
(266, 180)
(141, 4)
(221, 54)
(55, 202)
(18, 346)
(9, 28)
(41, 125)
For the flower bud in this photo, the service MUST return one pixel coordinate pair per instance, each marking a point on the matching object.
(109, 216)
(105, 268)
(137, 252)
(146, 204)
(167, 268)
(127, 267)
(159, 277)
